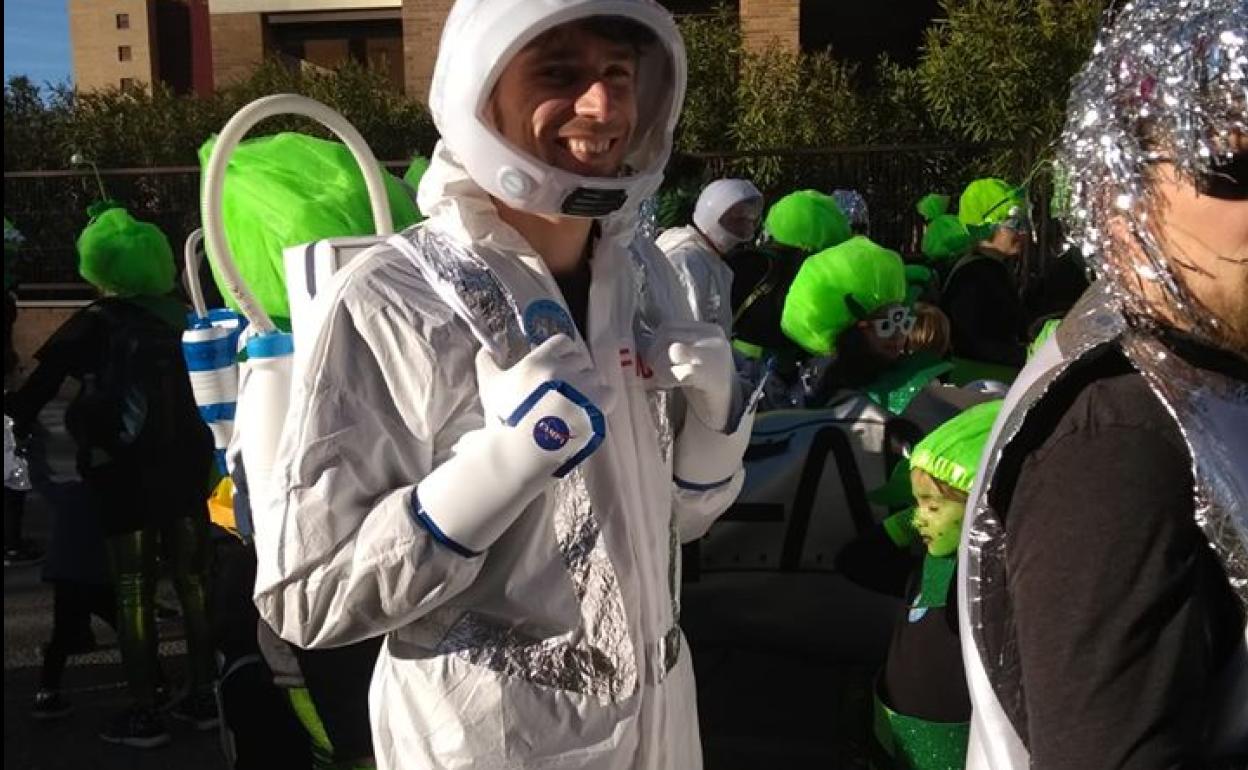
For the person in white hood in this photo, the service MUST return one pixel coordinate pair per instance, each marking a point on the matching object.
(509, 423)
(725, 216)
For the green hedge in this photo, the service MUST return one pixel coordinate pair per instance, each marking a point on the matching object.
(149, 127)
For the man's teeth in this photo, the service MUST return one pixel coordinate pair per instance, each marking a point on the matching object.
(588, 146)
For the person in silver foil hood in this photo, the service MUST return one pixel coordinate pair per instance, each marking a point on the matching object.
(1105, 554)
(509, 421)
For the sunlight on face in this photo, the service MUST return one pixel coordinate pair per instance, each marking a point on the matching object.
(937, 518)
(569, 99)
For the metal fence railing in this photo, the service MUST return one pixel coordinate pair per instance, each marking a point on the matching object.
(49, 207)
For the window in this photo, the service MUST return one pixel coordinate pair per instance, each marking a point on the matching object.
(123, 53)
(127, 84)
(123, 21)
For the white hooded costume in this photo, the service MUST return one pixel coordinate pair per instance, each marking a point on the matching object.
(525, 572)
(696, 251)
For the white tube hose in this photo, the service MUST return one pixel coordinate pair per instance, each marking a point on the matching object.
(213, 187)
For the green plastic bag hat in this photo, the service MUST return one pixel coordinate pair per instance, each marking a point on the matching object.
(815, 310)
(807, 220)
(990, 201)
(288, 189)
(945, 237)
(951, 453)
(120, 255)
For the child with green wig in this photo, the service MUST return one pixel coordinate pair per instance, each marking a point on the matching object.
(850, 303)
(143, 452)
(922, 707)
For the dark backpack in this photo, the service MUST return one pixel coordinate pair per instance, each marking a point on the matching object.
(140, 398)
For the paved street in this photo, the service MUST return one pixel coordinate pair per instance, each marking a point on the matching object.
(94, 683)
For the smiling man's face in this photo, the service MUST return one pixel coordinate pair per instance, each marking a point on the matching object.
(569, 99)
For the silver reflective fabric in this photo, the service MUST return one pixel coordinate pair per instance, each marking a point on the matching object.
(597, 659)
(1167, 80)
(648, 219)
(1211, 412)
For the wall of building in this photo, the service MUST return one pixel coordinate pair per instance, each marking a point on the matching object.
(422, 32)
(238, 46)
(95, 40)
(771, 24)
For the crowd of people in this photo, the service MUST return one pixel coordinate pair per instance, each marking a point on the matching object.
(512, 415)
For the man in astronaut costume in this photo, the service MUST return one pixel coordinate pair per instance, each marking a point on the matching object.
(509, 422)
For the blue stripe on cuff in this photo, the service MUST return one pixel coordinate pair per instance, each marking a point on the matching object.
(692, 487)
(423, 519)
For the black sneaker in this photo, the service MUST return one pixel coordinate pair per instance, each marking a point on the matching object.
(50, 705)
(137, 727)
(26, 553)
(198, 709)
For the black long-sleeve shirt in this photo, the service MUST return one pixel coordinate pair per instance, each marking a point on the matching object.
(1124, 615)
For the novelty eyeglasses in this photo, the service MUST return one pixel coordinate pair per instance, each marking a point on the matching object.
(896, 319)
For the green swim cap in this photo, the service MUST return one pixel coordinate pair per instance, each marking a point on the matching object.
(951, 453)
(808, 220)
(815, 310)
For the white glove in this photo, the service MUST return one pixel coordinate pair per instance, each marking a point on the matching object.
(697, 358)
(558, 359)
(543, 417)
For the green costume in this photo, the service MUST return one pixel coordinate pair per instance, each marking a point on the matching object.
(901, 382)
(133, 260)
(949, 454)
(287, 189)
(820, 303)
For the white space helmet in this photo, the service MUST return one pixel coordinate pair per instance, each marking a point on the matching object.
(482, 36)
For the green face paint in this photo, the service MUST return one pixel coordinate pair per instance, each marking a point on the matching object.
(937, 518)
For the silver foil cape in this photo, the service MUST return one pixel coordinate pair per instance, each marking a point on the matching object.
(1212, 414)
(1167, 80)
(598, 658)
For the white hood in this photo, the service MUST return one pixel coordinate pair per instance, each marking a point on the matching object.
(480, 39)
(715, 200)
